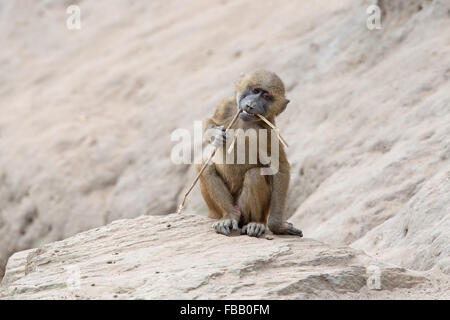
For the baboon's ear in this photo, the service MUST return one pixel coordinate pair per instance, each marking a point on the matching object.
(283, 107)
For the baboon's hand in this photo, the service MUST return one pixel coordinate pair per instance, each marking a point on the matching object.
(287, 228)
(218, 136)
(225, 226)
(253, 229)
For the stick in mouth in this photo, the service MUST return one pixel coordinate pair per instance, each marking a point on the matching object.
(280, 137)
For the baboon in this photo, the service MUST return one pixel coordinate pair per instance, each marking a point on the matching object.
(237, 194)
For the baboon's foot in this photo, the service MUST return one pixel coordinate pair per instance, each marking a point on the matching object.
(288, 228)
(225, 226)
(254, 229)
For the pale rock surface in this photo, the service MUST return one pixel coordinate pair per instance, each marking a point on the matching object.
(86, 117)
(180, 257)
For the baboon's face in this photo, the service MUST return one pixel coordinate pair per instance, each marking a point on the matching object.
(254, 101)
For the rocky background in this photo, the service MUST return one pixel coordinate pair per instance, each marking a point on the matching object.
(86, 115)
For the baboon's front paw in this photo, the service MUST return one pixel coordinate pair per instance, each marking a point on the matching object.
(225, 226)
(218, 136)
(253, 229)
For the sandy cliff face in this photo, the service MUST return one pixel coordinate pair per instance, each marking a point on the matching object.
(86, 116)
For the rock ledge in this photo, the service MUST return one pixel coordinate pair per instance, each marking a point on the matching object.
(180, 257)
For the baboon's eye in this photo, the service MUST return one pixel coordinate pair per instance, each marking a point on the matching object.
(256, 90)
(267, 96)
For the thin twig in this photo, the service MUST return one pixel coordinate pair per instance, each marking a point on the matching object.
(280, 137)
(232, 142)
(283, 141)
(180, 208)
